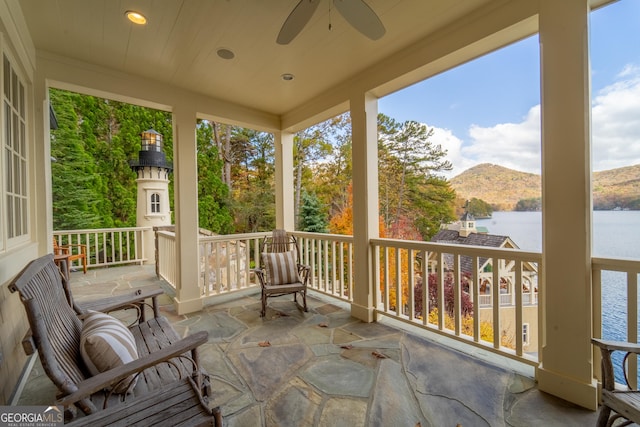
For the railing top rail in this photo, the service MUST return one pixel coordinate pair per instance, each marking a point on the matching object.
(261, 234)
(165, 233)
(482, 251)
(616, 264)
(101, 230)
(227, 237)
(324, 236)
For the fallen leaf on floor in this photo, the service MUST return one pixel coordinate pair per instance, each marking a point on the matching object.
(264, 344)
(323, 325)
(347, 347)
(378, 355)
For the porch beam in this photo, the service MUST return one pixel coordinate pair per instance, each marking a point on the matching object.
(566, 318)
(187, 297)
(364, 124)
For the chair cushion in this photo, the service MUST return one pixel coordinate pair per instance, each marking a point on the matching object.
(281, 268)
(106, 343)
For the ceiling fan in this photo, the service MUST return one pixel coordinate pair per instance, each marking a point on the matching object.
(355, 12)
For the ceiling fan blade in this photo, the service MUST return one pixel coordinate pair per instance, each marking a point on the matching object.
(296, 20)
(361, 17)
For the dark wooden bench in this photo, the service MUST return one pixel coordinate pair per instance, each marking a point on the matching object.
(166, 363)
(624, 403)
(176, 404)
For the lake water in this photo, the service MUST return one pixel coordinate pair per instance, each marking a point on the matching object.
(615, 235)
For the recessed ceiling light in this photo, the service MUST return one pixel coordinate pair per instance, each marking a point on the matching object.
(136, 17)
(225, 53)
(287, 77)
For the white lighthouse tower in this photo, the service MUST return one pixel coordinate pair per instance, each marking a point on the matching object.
(153, 188)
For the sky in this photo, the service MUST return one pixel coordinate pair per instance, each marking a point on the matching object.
(488, 110)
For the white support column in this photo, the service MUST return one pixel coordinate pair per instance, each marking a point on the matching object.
(42, 223)
(188, 298)
(566, 318)
(284, 181)
(364, 124)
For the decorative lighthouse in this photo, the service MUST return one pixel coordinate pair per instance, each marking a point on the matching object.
(153, 172)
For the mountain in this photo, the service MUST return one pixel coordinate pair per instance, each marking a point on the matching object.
(499, 186)
(503, 187)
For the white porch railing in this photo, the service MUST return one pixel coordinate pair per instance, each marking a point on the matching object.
(107, 246)
(615, 283)
(226, 262)
(404, 292)
(166, 256)
(330, 257)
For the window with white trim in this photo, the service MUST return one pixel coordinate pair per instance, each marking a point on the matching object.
(155, 203)
(14, 206)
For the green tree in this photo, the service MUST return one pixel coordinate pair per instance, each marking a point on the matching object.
(213, 194)
(253, 181)
(75, 184)
(310, 145)
(479, 208)
(330, 178)
(313, 217)
(533, 204)
(412, 194)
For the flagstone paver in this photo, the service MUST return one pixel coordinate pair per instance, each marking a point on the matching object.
(393, 403)
(338, 376)
(325, 368)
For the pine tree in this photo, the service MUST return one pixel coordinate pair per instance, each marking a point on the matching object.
(312, 216)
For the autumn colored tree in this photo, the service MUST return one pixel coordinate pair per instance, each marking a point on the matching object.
(466, 305)
(342, 223)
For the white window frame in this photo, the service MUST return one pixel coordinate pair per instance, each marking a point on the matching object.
(14, 231)
(149, 192)
(155, 204)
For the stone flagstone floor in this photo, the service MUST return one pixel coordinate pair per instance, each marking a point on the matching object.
(325, 368)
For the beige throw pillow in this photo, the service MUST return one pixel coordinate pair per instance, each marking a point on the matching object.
(281, 268)
(106, 343)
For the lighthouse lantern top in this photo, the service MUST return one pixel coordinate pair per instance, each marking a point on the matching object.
(151, 140)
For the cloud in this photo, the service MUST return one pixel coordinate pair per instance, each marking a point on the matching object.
(615, 124)
(512, 145)
(452, 144)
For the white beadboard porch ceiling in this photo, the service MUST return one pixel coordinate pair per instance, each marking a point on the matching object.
(178, 45)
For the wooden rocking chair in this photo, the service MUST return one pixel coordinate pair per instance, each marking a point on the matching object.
(620, 406)
(164, 383)
(280, 272)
